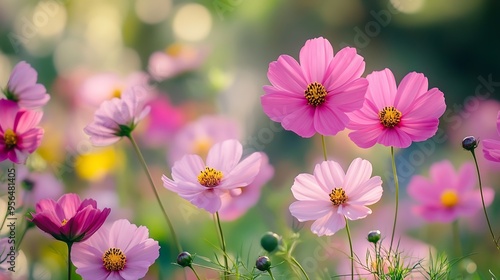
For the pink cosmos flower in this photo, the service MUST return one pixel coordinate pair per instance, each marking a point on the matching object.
(199, 136)
(204, 184)
(329, 195)
(23, 89)
(491, 147)
(175, 60)
(120, 250)
(315, 95)
(447, 195)
(19, 134)
(397, 116)
(116, 118)
(69, 219)
(236, 202)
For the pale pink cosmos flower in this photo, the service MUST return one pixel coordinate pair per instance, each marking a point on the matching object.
(397, 116)
(447, 195)
(117, 118)
(315, 95)
(120, 250)
(204, 184)
(330, 195)
(23, 89)
(19, 134)
(236, 202)
(199, 136)
(491, 147)
(176, 59)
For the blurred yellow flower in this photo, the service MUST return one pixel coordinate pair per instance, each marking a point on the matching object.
(96, 165)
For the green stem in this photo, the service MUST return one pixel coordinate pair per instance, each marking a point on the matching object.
(456, 239)
(396, 185)
(323, 144)
(70, 244)
(350, 247)
(151, 182)
(223, 246)
(194, 271)
(300, 267)
(271, 274)
(482, 200)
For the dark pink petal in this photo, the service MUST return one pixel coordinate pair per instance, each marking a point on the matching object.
(471, 202)
(8, 111)
(436, 214)
(345, 67)
(430, 105)
(410, 89)
(27, 120)
(46, 224)
(30, 140)
(394, 137)
(466, 179)
(491, 150)
(329, 175)
(69, 203)
(382, 88)
(329, 224)
(315, 57)
(348, 97)
(443, 176)
(286, 73)
(310, 210)
(301, 121)
(87, 202)
(423, 191)
(329, 121)
(419, 130)
(498, 122)
(277, 104)
(354, 212)
(224, 156)
(366, 138)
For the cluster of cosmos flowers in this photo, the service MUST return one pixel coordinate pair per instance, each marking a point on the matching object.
(321, 93)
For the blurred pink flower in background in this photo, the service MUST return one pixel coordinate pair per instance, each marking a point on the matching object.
(315, 95)
(116, 118)
(447, 195)
(330, 195)
(69, 219)
(176, 59)
(36, 186)
(397, 116)
(491, 147)
(163, 121)
(101, 87)
(120, 250)
(23, 89)
(199, 136)
(236, 202)
(19, 134)
(203, 185)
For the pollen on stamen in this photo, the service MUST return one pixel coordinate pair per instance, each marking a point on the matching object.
(63, 222)
(210, 177)
(338, 196)
(389, 117)
(449, 198)
(315, 94)
(114, 259)
(10, 138)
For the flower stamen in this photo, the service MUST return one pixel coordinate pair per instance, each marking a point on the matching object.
(210, 177)
(449, 198)
(338, 196)
(114, 259)
(315, 94)
(389, 117)
(64, 222)
(10, 138)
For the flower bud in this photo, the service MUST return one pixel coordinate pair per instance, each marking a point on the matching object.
(263, 263)
(374, 236)
(469, 143)
(270, 241)
(184, 259)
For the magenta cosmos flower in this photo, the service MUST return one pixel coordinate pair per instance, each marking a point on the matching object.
(491, 147)
(329, 195)
(315, 95)
(120, 250)
(23, 89)
(397, 116)
(117, 118)
(69, 219)
(204, 184)
(236, 202)
(19, 134)
(447, 195)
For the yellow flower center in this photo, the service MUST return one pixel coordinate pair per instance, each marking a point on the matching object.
(210, 177)
(114, 259)
(449, 198)
(117, 92)
(63, 222)
(315, 94)
(338, 196)
(174, 50)
(389, 117)
(10, 138)
(202, 146)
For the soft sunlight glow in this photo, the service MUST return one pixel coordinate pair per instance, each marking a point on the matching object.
(152, 11)
(192, 22)
(408, 6)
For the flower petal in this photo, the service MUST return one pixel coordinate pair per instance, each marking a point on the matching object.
(329, 175)
(310, 210)
(359, 172)
(244, 173)
(286, 73)
(382, 88)
(225, 156)
(301, 121)
(315, 56)
(305, 187)
(328, 225)
(411, 87)
(345, 67)
(354, 212)
(328, 121)
(277, 104)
